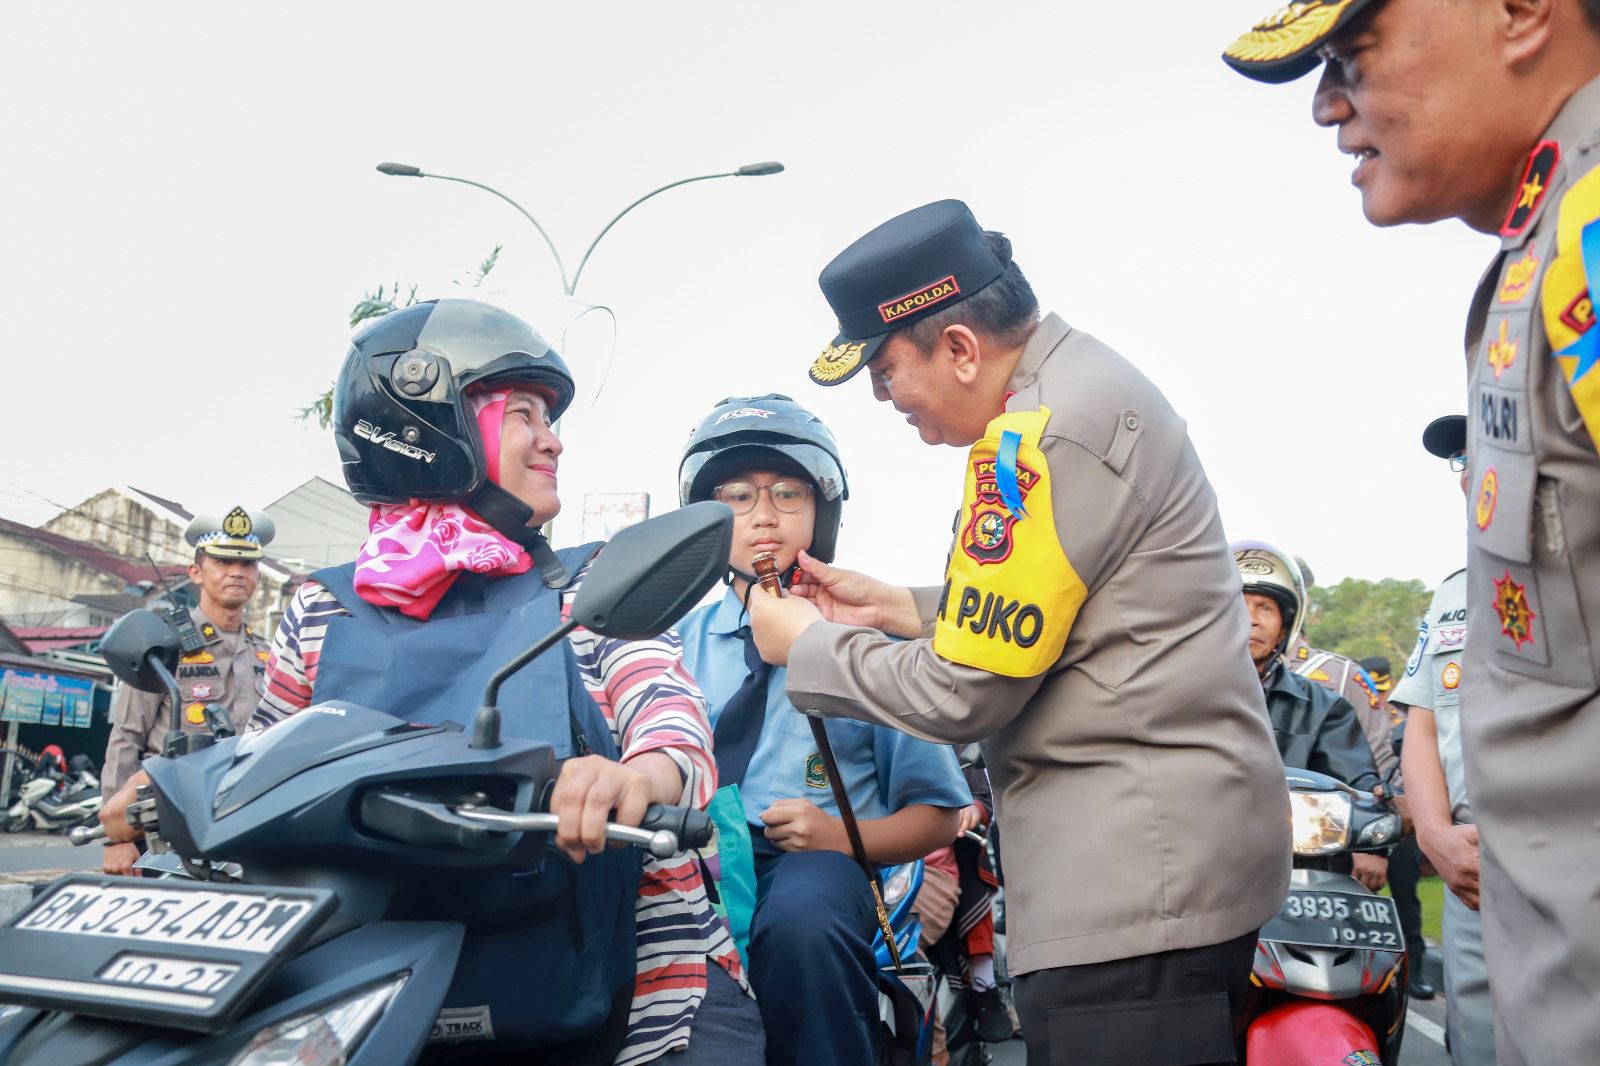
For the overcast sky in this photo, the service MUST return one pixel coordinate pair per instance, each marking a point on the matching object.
(188, 210)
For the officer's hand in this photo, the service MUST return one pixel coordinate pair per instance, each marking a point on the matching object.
(588, 791)
(777, 624)
(114, 813)
(799, 825)
(1454, 852)
(971, 818)
(1371, 870)
(854, 599)
(119, 858)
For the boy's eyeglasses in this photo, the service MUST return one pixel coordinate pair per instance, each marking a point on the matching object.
(1458, 462)
(787, 496)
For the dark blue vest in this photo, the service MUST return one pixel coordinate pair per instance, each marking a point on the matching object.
(549, 953)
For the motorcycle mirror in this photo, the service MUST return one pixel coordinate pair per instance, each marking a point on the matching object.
(651, 574)
(129, 644)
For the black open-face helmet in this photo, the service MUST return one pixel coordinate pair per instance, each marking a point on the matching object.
(403, 426)
(767, 432)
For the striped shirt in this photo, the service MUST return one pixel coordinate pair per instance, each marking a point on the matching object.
(652, 704)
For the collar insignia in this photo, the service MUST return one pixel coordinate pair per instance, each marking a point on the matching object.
(1536, 177)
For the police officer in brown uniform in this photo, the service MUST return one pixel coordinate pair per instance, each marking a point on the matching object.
(229, 670)
(1089, 632)
(1489, 112)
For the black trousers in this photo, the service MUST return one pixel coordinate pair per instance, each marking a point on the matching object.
(1175, 1008)
(1405, 870)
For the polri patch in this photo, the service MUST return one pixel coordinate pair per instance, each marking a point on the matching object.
(1450, 678)
(1511, 604)
(1535, 185)
(891, 311)
(816, 773)
(199, 657)
(195, 714)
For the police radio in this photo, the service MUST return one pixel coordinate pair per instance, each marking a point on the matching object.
(178, 617)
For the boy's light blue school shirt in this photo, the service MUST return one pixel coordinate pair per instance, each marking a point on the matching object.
(884, 770)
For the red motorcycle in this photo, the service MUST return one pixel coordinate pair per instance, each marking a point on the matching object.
(1329, 981)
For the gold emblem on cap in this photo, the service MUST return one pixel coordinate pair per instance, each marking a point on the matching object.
(1290, 29)
(836, 361)
(237, 524)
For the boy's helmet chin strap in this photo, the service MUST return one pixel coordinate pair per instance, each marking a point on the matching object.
(511, 516)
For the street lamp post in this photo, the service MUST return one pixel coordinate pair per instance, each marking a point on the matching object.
(749, 170)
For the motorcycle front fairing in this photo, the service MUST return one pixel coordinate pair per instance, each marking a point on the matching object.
(424, 953)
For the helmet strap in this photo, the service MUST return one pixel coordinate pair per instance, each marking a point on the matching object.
(510, 516)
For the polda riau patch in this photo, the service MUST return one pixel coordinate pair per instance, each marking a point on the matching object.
(987, 537)
(1537, 174)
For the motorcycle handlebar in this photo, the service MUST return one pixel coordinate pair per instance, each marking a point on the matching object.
(664, 831)
(86, 834)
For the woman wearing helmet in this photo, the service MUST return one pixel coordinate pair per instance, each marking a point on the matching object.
(777, 466)
(443, 415)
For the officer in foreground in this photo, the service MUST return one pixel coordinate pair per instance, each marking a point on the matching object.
(1431, 688)
(1488, 112)
(1089, 632)
(228, 670)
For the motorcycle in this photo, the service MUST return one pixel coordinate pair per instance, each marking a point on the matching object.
(307, 950)
(49, 801)
(907, 997)
(1329, 979)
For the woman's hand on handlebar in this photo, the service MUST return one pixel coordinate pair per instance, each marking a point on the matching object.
(114, 814)
(593, 790)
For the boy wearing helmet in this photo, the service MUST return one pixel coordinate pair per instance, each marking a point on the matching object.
(777, 466)
(443, 415)
(1315, 729)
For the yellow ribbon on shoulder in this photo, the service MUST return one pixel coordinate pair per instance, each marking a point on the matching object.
(1010, 594)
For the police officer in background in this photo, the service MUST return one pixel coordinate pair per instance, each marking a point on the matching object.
(228, 670)
(1488, 112)
(1089, 632)
(1431, 689)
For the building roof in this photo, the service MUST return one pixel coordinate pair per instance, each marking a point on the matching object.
(51, 666)
(130, 571)
(177, 509)
(41, 639)
(9, 641)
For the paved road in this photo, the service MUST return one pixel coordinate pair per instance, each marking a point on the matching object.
(43, 856)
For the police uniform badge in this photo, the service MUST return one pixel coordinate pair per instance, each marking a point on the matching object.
(195, 714)
(1010, 592)
(238, 534)
(1511, 604)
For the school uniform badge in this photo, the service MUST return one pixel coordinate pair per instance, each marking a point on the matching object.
(816, 772)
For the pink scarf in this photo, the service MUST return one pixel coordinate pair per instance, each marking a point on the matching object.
(414, 551)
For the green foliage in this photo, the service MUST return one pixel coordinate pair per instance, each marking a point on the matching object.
(1360, 618)
(376, 304)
